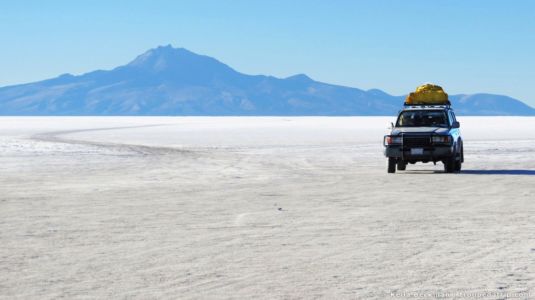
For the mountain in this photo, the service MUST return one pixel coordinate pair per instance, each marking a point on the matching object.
(489, 105)
(170, 81)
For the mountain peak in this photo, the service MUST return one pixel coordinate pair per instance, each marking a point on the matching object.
(160, 55)
(179, 63)
(168, 46)
(377, 92)
(299, 77)
(169, 49)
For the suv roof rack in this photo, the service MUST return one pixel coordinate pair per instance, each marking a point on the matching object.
(446, 105)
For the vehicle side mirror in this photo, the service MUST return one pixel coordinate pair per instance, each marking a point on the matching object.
(391, 125)
(455, 125)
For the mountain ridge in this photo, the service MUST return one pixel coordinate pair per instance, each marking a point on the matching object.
(176, 81)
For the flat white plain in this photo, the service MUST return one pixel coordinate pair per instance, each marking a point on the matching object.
(264, 207)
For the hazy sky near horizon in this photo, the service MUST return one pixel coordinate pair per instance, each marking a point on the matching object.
(395, 45)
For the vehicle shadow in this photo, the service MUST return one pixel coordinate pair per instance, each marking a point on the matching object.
(500, 172)
(477, 172)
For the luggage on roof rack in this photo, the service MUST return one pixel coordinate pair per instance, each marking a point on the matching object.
(427, 94)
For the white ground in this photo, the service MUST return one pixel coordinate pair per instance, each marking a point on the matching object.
(259, 207)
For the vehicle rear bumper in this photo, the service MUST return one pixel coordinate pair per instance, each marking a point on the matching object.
(435, 153)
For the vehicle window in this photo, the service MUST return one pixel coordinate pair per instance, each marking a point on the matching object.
(422, 118)
(450, 118)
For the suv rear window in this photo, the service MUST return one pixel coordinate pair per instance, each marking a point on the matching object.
(422, 118)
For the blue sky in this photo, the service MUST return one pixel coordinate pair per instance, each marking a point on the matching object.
(465, 46)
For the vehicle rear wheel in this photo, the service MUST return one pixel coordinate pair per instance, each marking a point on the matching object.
(391, 165)
(402, 166)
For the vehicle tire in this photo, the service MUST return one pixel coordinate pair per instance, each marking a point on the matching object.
(449, 165)
(458, 162)
(402, 166)
(462, 152)
(457, 166)
(391, 165)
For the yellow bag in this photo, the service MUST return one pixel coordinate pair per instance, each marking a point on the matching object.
(427, 94)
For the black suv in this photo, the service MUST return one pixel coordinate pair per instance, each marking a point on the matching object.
(425, 133)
